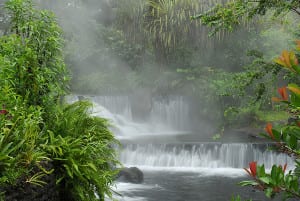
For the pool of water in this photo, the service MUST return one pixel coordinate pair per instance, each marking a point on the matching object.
(176, 184)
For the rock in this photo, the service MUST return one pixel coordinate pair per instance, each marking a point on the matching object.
(131, 175)
(25, 191)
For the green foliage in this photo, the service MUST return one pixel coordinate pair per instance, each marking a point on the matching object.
(232, 13)
(132, 53)
(286, 137)
(36, 128)
(170, 23)
(220, 16)
(33, 47)
(272, 116)
(274, 182)
(237, 198)
(239, 95)
(81, 149)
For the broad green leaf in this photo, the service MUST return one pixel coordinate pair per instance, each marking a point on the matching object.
(266, 180)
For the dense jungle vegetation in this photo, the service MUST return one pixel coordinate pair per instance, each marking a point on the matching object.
(43, 140)
(286, 135)
(119, 46)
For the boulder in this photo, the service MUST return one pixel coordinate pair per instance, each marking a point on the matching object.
(131, 175)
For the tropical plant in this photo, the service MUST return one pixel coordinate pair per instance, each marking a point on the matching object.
(33, 46)
(80, 147)
(231, 14)
(285, 137)
(168, 24)
(36, 127)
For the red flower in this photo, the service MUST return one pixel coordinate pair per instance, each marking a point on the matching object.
(252, 171)
(253, 168)
(3, 111)
(284, 167)
(283, 93)
(269, 130)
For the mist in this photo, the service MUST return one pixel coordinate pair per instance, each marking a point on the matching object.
(107, 55)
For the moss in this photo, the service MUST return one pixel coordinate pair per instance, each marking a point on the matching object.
(272, 116)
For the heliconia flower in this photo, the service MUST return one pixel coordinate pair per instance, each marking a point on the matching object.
(287, 59)
(252, 166)
(3, 111)
(283, 93)
(268, 129)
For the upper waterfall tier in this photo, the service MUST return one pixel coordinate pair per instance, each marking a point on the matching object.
(133, 117)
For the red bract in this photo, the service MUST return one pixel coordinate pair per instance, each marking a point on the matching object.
(284, 167)
(252, 171)
(3, 111)
(283, 93)
(253, 168)
(269, 130)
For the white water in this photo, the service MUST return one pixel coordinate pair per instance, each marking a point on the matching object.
(206, 155)
(173, 169)
(165, 118)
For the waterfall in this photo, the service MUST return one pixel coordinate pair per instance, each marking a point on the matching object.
(170, 117)
(162, 118)
(204, 155)
(174, 112)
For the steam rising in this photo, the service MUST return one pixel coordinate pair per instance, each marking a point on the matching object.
(98, 69)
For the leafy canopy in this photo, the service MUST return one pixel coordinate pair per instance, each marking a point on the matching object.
(231, 14)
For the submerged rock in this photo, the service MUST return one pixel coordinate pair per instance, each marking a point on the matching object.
(131, 175)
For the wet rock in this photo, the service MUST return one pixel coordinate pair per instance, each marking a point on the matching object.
(131, 175)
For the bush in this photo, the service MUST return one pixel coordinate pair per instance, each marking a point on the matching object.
(40, 135)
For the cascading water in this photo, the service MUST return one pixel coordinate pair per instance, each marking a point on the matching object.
(181, 170)
(205, 155)
(174, 112)
(170, 116)
(165, 117)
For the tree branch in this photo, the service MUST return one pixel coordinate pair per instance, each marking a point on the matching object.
(296, 11)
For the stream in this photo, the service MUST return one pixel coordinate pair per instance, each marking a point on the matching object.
(177, 163)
